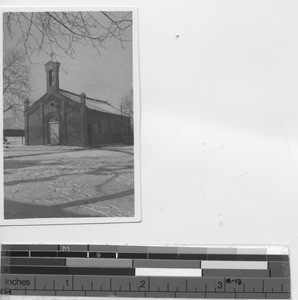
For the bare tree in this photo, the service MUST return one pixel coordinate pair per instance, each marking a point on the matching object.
(16, 81)
(127, 104)
(59, 32)
(54, 33)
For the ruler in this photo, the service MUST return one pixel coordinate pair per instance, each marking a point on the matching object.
(145, 272)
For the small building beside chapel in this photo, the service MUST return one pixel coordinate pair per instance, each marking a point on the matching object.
(62, 117)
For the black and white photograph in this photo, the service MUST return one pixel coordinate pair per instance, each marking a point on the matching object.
(70, 116)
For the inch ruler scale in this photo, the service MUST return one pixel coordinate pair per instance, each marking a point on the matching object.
(145, 272)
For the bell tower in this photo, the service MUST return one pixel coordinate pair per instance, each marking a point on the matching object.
(52, 71)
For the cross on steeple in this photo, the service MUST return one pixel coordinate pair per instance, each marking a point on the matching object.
(52, 55)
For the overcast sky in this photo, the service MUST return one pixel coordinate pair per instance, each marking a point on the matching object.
(108, 77)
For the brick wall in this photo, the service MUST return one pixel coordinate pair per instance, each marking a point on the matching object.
(100, 128)
(104, 128)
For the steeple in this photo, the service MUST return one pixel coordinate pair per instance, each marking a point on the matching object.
(52, 72)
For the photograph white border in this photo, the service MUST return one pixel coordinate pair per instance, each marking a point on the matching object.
(137, 125)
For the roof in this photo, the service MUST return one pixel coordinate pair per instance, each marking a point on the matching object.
(94, 104)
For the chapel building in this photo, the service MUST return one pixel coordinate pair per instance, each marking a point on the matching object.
(61, 117)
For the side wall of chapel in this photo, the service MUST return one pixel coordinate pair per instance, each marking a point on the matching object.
(105, 128)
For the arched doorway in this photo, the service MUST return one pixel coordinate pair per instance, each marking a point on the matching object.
(54, 131)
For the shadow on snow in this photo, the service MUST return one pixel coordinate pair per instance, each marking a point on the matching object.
(19, 210)
(96, 199)
(98, 171)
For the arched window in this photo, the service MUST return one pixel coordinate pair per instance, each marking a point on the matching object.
(113, 127)
(104, 127)
(51, 81)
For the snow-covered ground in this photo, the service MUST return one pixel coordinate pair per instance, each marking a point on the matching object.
(63, 181)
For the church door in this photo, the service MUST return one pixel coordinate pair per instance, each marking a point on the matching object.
(54, 132)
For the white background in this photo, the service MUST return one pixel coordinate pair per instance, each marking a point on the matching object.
(219, 129)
